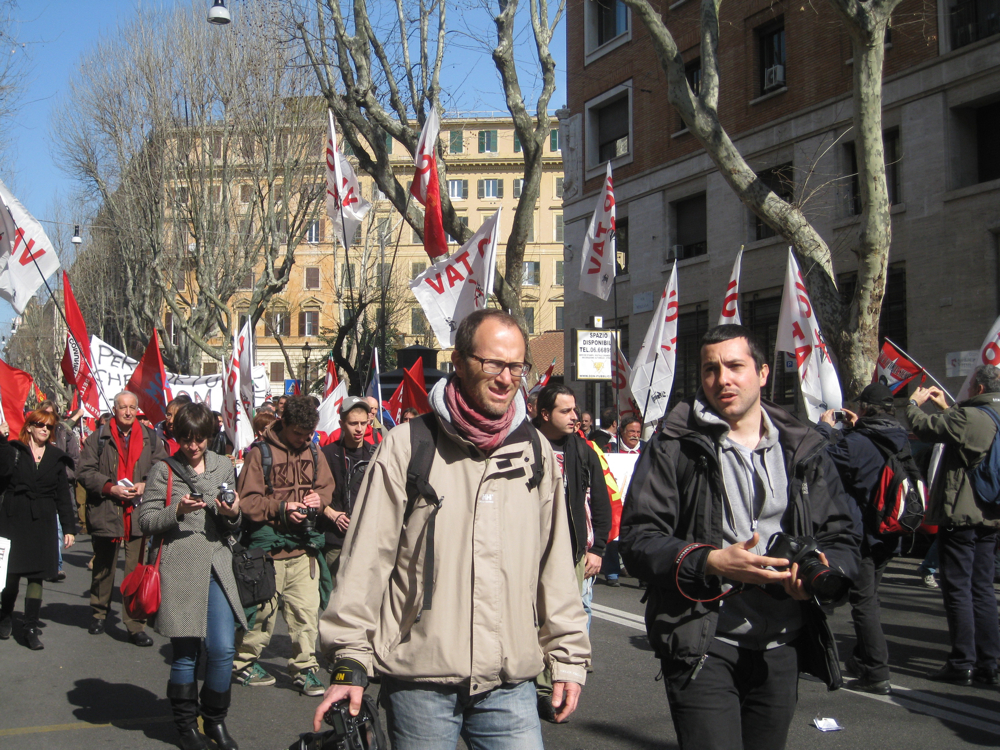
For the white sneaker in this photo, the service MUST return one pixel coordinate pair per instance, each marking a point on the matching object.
(930, 581)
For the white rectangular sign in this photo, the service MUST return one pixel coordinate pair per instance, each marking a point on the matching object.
(594, 350)
(960, 364)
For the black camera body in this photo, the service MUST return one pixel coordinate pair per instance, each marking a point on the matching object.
(361, 732)
(226, 495)
(829, 586)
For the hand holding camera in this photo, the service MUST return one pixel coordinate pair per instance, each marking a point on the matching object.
(228, 501)
(810, 573)
(738, 563)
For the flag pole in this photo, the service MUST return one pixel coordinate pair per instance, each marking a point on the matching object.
(617, 348)
(923, 369)
(649, 388)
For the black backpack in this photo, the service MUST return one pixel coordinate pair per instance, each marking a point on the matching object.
(899, 501)
(984, 477)
(423, 440)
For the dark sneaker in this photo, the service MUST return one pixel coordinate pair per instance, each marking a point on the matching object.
(876, 687)
(981, 676)
(308, 683)
(955, 676)
(254, 676)
(613, 582)
(6, 626)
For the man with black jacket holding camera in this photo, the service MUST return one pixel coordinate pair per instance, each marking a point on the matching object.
(348, 458)
(732, 626)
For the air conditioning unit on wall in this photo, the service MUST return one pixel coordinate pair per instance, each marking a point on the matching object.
(774, 77)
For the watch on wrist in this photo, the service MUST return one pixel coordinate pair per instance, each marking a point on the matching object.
(914, 403)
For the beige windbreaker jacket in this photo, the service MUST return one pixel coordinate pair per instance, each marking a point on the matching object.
(506, 601)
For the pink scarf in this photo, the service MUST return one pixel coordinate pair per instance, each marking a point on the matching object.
(486, 433)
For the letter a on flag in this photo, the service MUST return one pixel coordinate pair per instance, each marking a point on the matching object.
(455, 287)
(731, 304)
(798, 332)
(426, 188)
(27, 256)
(653, 371)
(597, 261)
(345, 205)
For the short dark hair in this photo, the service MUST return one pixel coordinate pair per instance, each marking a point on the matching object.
(730, 331)
(193, 422)
(548, 395)
(988, 377)
(609, 416)
(179, 400)
(470, 324)
(300, 411)
(411, 411)
(587, 413)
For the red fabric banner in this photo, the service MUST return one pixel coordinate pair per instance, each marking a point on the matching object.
(15, 385)
(149, 382)
(76, 361)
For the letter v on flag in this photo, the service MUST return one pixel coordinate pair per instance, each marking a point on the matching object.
(799, 333)
(597, 261)
(27, 256)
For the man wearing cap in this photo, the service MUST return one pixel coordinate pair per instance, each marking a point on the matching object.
(855, 451)
(348, 457)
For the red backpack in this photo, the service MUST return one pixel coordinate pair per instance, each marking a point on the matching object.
(899, 501)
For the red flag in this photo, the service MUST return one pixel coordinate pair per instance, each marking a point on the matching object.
(15, 385)
(395, 404)
(331, 378)
(415, 392)
(39, 395)
(149, 382)
(894, 369)
(76, 361)
(426, 188)
(544, 380)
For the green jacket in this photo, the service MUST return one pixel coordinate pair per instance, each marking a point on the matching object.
(967, 434)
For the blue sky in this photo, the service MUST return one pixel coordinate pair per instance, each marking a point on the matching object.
(58, 32)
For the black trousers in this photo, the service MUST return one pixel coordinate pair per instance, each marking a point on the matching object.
(740, 698)
(871, 654)
(967, 568)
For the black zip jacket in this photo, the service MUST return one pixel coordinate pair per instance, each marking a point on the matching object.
(347, 475)
(583, 469)
(676, 498)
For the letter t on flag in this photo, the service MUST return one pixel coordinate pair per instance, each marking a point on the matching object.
(426, 189)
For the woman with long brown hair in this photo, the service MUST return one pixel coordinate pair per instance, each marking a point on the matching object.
(36, 492)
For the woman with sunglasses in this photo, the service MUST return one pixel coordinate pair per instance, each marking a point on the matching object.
(200, 601)
(36, 493)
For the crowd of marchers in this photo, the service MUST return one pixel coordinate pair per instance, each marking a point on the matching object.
(451, 559)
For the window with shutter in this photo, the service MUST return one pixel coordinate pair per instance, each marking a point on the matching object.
(312, 278)
(529, 319)
(517, 144)
(560, 270)
(302, 323)
(559, 227)
(480, 189)
(278, 371)
(455, 141)
(559, 187)
(554, 139)
(518, 184)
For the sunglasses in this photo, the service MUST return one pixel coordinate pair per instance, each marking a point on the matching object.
(46, 425)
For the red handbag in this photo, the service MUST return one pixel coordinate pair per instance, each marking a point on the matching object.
(141, 588)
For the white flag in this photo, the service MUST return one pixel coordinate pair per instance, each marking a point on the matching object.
(798, 333)
(245, 353)
(621, 374)
(234, 417)
(425, 159)
(459, 285)
(345, 205)
(989, 354)
(329, 410)
(597, 261)
(27, 256)
(653, 372)
(731, 304)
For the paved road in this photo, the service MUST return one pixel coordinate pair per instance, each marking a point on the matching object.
(86, 692)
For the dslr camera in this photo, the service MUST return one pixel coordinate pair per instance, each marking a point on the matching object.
(361, 732)
(829, 586)
(226, 495)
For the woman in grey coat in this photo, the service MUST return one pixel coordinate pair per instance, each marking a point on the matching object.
(199, 596)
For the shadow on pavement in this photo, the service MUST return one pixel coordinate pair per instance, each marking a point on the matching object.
(640, 642)
(124, 706)
(73, 615)
(619, 733)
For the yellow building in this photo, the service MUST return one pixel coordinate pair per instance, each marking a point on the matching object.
(485, 171)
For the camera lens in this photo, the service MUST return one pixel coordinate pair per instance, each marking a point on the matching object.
(825, 583)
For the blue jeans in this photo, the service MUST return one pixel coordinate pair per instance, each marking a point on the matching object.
(220, 644)
(60, 538)
(931, 560)
(424, 716)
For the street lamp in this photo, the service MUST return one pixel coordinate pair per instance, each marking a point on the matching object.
(76, 235)
(219, 14)
(306, 351)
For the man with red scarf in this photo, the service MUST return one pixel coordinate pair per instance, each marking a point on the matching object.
(462, 602)
(113, 467)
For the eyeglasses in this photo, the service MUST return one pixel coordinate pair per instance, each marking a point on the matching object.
(46, 425)
(495, 367)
